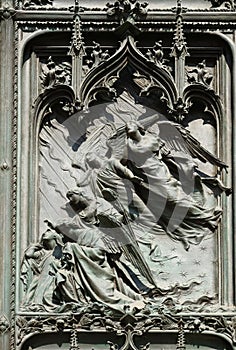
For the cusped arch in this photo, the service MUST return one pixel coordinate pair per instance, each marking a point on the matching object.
(208, 97)
(49, 98)
(99, 78)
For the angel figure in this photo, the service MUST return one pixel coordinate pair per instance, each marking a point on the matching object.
(151, 167)
(177, 212)
(101, 164)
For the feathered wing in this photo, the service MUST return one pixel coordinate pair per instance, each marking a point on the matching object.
(178, 138)
(121, 239)
(117, 143)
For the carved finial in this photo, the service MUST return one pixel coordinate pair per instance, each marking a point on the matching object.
(7, 12)
(181, 336)
(179, 50)
(77, 44)
(77, 51)
(179, 45)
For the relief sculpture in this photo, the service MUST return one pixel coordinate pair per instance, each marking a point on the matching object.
(132, 187)
(129, 196)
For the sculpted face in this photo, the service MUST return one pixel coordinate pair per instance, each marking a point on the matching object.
(74, 196)
(49, 239)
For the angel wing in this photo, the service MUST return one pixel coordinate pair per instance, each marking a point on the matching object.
(124, 237)
(126, 243)
(179, 138)
(118, 143)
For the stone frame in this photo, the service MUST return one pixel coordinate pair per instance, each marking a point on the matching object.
(13, 21)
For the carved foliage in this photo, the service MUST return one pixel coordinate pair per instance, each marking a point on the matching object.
(200, 75)
(33, 3)
(55, 74)
(96, 56)
(156, 54)
(229, 4)
(129, 326)
(128, 10)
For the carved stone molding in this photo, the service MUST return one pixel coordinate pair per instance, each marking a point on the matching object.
(129, 326)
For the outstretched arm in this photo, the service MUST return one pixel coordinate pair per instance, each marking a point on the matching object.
(123, 171)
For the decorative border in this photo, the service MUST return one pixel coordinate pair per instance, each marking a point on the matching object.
(65, 26)
(129, 325)
(145, 26)
(14, 189)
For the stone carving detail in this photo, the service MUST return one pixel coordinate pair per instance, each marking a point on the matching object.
(127, 179)
(200, 75)
(130, 325)
(127, 10)
(180, 110)
(77, 51)
(6, 11)
(119, 183)
(229, 4)
(130, 170)
(33, 3)
(4, 324)
(156, 54)
(97, 56)
(179, 48)
(53, 74)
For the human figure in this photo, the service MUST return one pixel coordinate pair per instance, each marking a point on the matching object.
(111, 173)
(38, 272)
(178, 213)
(92, 257)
